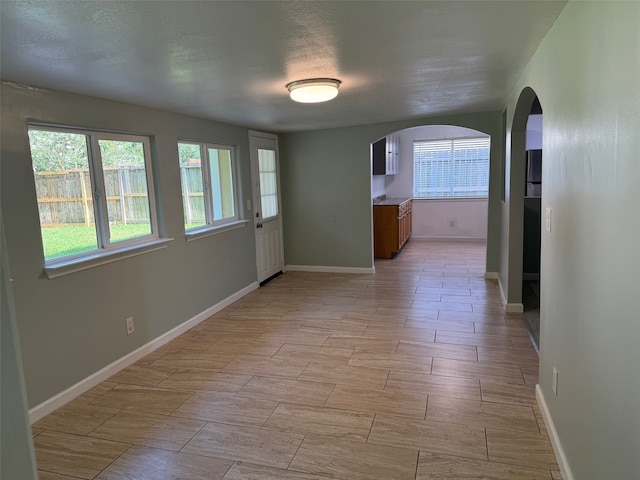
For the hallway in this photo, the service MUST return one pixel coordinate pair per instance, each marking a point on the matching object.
(412, 373)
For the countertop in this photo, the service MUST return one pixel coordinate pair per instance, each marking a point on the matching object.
(390, 201)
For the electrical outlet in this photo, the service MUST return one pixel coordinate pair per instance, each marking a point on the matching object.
(554, 385)
(452, 222)
(129, 324)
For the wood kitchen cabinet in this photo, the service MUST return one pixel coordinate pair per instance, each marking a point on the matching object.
(391, 227)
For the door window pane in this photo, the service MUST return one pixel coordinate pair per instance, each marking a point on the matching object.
(192, 188)
(63, 189)
(126, 190)
(268, 183)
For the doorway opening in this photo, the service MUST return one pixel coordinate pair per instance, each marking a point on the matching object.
(458, 215)
(532, 223)
(525, 182)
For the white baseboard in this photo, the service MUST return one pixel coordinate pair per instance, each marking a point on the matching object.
(325, 269)
(503, 297)
(513, 308)
(509, 307)
(426, 238)
(491, 275)
(55, 402)
(561, 457)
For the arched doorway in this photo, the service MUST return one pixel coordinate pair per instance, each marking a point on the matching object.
(524, 213)
(447, 218)
(532, 218)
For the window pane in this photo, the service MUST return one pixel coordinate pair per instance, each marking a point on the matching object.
(192, 190)
(63, 188)
(125, 181)
(451, 168)
(268, 183)
(222, 183)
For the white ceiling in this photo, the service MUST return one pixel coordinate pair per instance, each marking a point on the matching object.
(230, 61)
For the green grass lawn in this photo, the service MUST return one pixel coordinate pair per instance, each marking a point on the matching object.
(62, 241)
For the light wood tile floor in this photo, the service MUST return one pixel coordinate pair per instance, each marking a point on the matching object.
(412, 373)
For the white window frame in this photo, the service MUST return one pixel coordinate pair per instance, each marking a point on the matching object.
(213, 226)
(450, 189)
(277, 182)
(106, 250)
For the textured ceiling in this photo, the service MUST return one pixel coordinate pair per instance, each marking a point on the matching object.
(230, 61)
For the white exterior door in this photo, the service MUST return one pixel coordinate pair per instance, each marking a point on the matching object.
(267, 218)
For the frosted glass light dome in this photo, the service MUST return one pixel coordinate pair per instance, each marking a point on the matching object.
(314, 90)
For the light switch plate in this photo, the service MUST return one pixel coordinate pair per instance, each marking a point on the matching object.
(547, 219)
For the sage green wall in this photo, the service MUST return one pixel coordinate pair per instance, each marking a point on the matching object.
(586, 73)
(326, 190)
(72, 326)
(17, 459)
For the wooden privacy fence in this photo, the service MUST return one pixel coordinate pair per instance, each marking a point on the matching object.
(64, 198)
(192, 196)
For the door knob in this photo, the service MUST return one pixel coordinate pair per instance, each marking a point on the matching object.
(259, 225)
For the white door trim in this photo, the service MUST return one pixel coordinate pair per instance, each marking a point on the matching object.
(255, 138)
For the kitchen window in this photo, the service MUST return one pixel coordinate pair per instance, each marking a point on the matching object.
(451, 168)
(95, 194)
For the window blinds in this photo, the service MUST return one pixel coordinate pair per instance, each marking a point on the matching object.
(451, 168)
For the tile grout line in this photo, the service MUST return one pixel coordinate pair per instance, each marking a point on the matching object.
(304, 437)
(194, 436)
(486, 443)
(234, 462)
(261, 427)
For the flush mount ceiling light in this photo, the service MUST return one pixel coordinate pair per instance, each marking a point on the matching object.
(313, 90)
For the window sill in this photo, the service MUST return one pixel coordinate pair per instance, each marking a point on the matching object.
(65, 267)
(209, 230)
(450, 199)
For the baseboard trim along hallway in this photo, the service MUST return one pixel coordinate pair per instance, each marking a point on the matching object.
(561, 457)
(330, 269)
(508, 307)
(55, 402)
